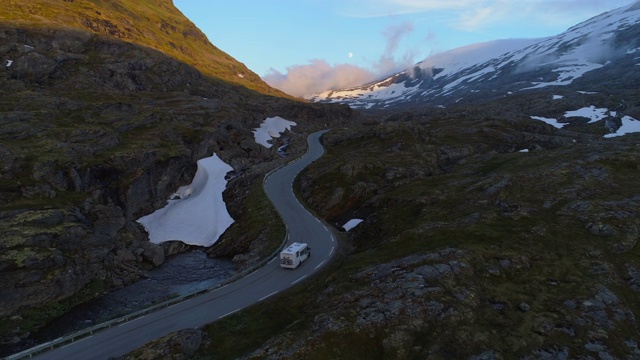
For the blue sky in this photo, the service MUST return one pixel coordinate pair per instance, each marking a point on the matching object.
(306, 46)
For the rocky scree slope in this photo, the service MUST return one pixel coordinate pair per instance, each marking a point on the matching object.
(469, 247)
(96, 132)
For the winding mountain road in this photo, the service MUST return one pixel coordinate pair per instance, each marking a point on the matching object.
(251, 289)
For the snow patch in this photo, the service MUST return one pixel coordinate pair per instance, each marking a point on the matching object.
(557, 97)
(9, 63)
(468, 78)
(524, 150)
(567, 74)
(550, 121)
(587, 92)
(590, 112)
(351, 224)
(271, 128)
(629, 125)
(240, 75)
(199, 214)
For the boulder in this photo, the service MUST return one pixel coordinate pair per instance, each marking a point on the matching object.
(153, 253)
(175, 346)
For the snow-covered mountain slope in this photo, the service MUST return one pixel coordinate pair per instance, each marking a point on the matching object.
(502, 67)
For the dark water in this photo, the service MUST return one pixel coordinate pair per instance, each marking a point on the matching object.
(179, 275)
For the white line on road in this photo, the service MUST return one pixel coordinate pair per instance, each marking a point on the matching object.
(331, 252)
(272, 260)
(333, 239)
(317, 266)
(229, 313)
(297, 281)
(84, 338)
(136, 319)
(264, 297)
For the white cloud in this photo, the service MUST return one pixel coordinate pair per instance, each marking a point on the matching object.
(477, 17)
(387, 63)
(317, 76)
(377, 8)
(394, 33)
(476, 14)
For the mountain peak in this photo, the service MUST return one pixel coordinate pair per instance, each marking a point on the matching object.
(634, 7)
(156, 24)
(503, 67)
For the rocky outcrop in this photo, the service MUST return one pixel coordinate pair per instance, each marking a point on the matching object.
(156, 24)
(95, 133)
(180, 345)
(442, 304)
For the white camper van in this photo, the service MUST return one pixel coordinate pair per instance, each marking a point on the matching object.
(294, 254)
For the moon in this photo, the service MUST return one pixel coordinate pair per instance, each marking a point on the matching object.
(350, 54)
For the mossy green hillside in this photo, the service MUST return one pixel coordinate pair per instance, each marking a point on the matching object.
(158, 25)
(544, 234)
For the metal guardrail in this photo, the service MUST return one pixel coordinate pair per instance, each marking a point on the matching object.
(79, 335)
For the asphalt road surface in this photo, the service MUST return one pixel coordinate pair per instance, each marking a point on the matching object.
(251, 289)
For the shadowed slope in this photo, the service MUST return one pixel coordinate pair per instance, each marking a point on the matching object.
(157, 24)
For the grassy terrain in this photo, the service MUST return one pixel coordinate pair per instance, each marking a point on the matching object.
(543, 234)
(34, 318)
(155, 24)
(101, 128)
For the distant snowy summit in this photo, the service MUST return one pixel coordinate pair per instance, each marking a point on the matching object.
(503, 67)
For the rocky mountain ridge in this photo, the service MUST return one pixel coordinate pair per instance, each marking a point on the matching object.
(158, 25)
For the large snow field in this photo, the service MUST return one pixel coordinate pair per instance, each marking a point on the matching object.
(199, 214)
(271, 128)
